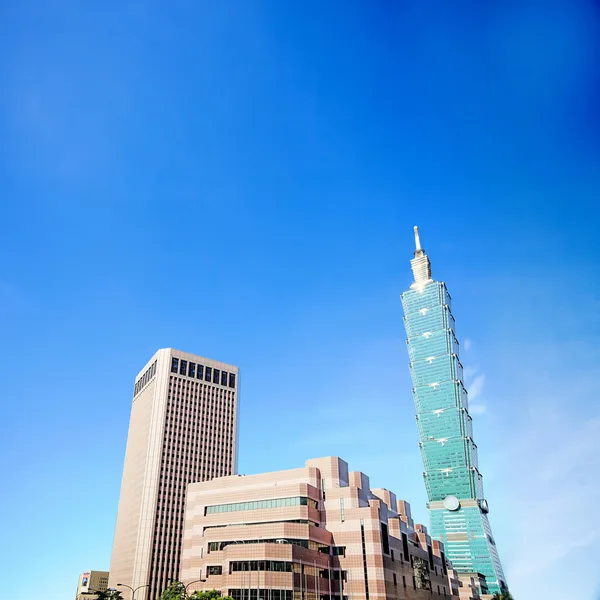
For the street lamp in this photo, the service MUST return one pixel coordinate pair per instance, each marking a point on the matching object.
(184, 595)
(133, 591)
(190, 583)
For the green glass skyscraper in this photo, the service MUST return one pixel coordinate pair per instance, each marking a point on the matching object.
(457, 508)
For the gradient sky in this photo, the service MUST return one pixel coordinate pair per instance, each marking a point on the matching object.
(240, 180)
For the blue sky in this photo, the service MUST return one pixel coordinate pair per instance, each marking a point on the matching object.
(240, 180)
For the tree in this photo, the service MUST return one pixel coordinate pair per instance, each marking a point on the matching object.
(175, 591)
(209, 595)
(502, 596)
(109, 595)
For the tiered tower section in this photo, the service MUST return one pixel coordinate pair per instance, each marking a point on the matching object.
(457, 508)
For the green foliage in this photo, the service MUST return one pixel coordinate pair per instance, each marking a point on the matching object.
(175, 591)
(109, 595)
(209, 595)
(502, 596)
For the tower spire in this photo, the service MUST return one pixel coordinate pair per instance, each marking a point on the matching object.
(417, 239)
(420, 265)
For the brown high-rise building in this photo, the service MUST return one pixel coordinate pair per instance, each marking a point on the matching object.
(182, 429)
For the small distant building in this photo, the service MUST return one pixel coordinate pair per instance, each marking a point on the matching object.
(315, 533)
(91, 582)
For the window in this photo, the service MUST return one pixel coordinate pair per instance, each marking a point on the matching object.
(392, 553)
(364, 553)
(223, 377)
(183, 367)
(403, 581)
(192, 370)
(208, 374)
(385, 540)
(260, 565)
(405, 546)
(338, 550)
(395, 582)
(174, 365)
(216, 376)
(261, 504)
(342, 516)
(231, 380)
(200, 373)
(214, 570)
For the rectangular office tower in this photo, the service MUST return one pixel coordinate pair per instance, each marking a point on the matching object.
(457, 508)
(182, 429)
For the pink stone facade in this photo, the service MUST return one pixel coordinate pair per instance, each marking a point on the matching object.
(315, 533)
(183, 428)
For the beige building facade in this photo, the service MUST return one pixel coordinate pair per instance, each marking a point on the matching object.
(91, 582)
(315, 533)
(182, 429)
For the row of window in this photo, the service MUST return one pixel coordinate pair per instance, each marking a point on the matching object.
(266, 594)
(198, 371)
(260, 565)
(298, 521)
(144, 379)
(260, 504)
(309, 544)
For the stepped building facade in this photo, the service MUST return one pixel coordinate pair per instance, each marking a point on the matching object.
(314, 533)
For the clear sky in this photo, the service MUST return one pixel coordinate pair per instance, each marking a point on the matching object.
(240, 180)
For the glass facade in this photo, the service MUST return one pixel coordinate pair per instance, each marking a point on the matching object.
(261, 504)
(453, 482)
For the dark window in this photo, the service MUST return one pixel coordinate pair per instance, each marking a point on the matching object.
(385, 540)
(183, 367)
(260, 565)
(231, 380)
(392, 555)
(208, 374)
(216, 570)
(174, 365)
(200, 372)
(338, 550)
(403, 581)
(223, 377)
(364, 553)
(192, 370)
(405, 546)
(216, 376)
(395, 582)
(430, 553)
(444, 568)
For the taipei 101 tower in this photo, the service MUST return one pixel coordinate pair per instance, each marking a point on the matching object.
(457, 508)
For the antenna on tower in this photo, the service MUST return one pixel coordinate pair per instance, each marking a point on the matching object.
(417, 239)
(420, 265)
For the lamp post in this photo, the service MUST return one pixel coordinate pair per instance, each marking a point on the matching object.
(190, 583)
(185, 587)
(133, 591)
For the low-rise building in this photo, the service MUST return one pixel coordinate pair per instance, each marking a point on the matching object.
(315, 533)
(91, 582)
